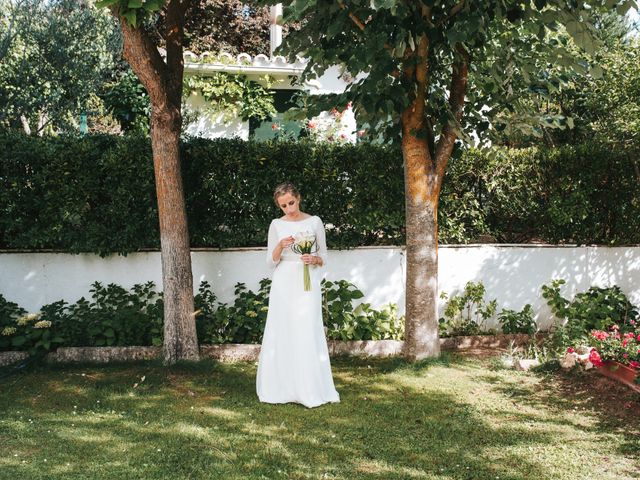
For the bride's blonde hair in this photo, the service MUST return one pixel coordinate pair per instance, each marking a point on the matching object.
(283, 189)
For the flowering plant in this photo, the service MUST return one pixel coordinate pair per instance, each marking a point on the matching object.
(334, 126)
(620, 347)
(605, 345)
(27, 332)
(304, 243)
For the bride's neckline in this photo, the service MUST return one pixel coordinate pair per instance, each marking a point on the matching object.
(295, 221)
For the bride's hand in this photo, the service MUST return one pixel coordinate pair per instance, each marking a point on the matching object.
(286, 242)
(308, 259)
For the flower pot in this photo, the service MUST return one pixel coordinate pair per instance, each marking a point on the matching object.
(620, 372)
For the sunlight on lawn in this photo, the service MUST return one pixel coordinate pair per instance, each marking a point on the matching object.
(434, 420)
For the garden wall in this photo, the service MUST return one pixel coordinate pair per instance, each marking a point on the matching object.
(513, 274)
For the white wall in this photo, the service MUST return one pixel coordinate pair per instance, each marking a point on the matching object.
(213, 125)
(512, 274)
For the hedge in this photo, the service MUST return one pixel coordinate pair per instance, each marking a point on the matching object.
(96, 193)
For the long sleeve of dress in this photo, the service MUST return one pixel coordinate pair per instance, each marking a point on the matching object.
(272, 242)
(322, 242)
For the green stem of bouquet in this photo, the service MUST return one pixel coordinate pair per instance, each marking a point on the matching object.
(307, 278)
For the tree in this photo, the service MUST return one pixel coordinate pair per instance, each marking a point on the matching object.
(414, 62)
(57, 53)
(162, 78)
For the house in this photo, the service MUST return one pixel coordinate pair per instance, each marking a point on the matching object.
(276, 75)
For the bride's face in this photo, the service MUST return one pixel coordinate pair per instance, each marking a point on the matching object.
(289, 204)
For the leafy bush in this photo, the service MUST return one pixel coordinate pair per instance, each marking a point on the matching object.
(467, 313)
(596, 309)
(518, 322)
(22, 331)
(241, 322)
(72, 193)
(346, 322)
(115, 316)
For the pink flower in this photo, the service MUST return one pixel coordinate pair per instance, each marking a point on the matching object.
(615, 327)
(361, 133)
(632, 322)
(349, 105)
(570, 350)
(594, 357)
(311, 125)
(343, 136)
(599, 334)
(624, 342)
(638, 338)
(625, 355)
(634, 364)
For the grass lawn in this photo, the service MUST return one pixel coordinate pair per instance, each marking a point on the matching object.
(455, 418)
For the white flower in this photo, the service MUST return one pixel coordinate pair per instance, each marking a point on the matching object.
(23, 320)
(8, 331)
(569, 360)
(42, 324)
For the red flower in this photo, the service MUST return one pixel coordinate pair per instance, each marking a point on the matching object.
(343, 136)
(634, 364)
(594, 357)
(625, 355)
(274, 126)
(599, 334)
(638, 338)
(570, 350)
(311, 125)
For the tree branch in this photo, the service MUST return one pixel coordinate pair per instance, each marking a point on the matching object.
(174, 42)
(452, 13)
(352, 16)
(144, 58)
(459, 76)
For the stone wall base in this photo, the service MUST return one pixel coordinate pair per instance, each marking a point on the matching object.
(234, 352)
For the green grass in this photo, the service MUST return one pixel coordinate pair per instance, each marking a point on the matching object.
(449, 419)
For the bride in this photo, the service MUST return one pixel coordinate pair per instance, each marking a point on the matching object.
(294, 359)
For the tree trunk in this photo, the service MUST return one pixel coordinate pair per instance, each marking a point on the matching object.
(422, 188)
(163, 81)
(180, 339)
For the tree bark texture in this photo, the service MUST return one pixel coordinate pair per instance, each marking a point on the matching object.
(163, 82)
(424, 168)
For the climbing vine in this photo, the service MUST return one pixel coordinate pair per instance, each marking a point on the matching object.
(234, 95)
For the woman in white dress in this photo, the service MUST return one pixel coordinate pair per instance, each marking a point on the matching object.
(294, 359)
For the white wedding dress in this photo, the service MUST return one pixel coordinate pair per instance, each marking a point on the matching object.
(294, 359)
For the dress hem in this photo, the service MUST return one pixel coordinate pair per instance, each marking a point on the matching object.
(310, 405)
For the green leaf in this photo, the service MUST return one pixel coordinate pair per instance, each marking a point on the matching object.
(135, 4)
(131, 17)
(105, 3)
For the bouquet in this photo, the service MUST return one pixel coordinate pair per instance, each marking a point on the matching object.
(304, 243)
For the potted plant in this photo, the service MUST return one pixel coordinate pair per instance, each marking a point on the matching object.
(616, 354)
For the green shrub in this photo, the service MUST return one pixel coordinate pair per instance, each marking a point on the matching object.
(596, 309)
(73, 193)
(517, 322)
(346, 322)
(467, 313)
(20, 330)
(114, 316)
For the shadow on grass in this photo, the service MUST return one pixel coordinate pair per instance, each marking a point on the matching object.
(613, 407)
(203, 420)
